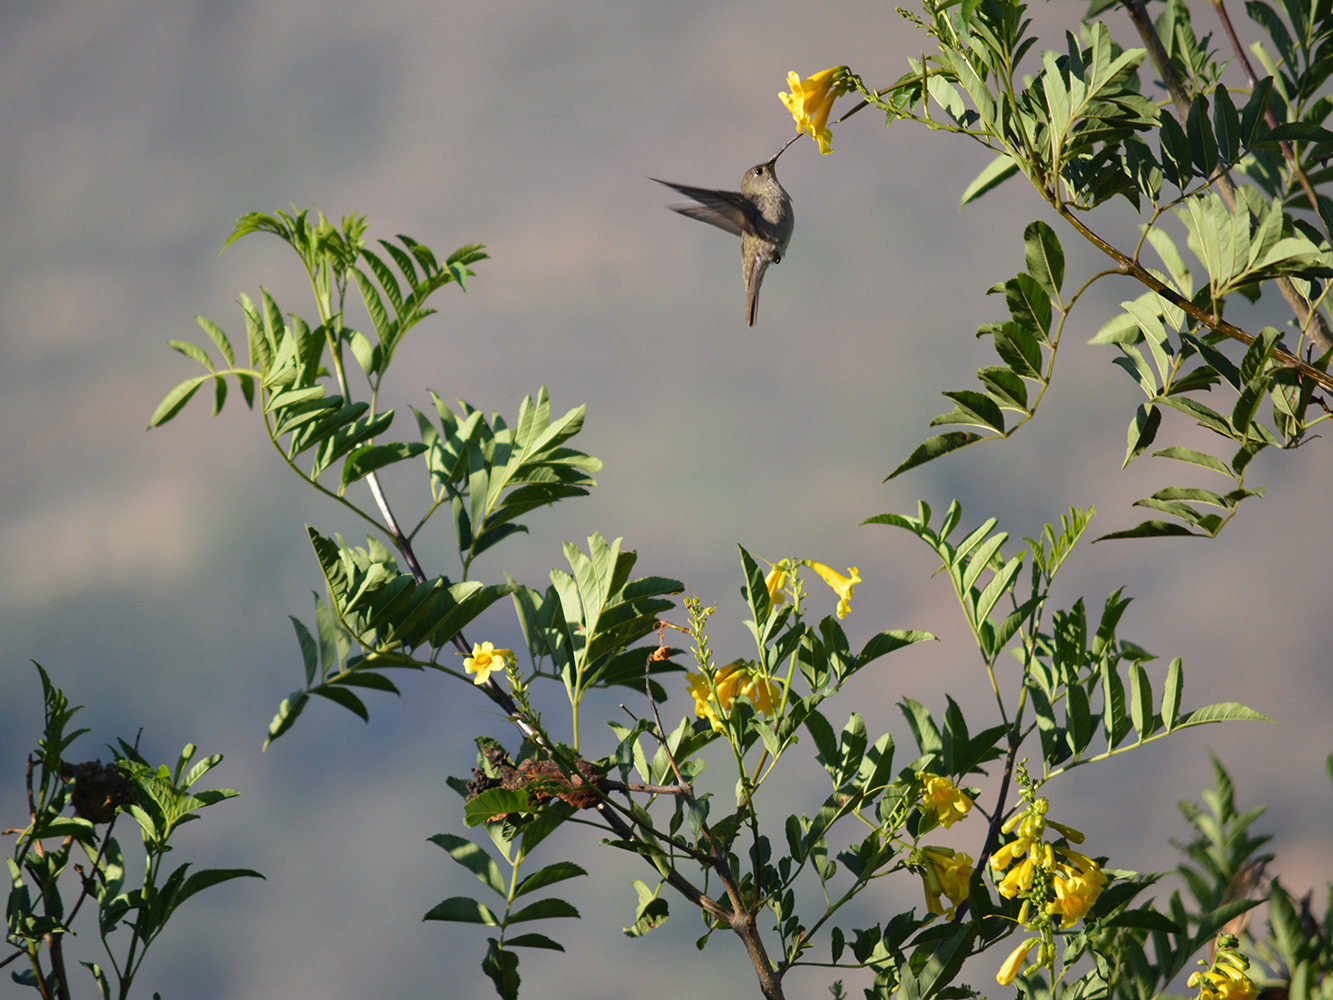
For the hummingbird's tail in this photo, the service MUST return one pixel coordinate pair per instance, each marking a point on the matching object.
(754, 277)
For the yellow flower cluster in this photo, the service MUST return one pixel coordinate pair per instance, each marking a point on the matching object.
(1075, 879)
(1227, 978)
(943, 798)
(811, 100)
(486, 659)
(714, 702)
(944, 872)
(1058, 883)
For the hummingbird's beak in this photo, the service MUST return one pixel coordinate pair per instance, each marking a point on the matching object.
(783, 149)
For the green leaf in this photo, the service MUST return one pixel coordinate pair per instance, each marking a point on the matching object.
(1175, 686)
(1142, 431)
(1148, 920)
(309, 652)
(995, 173)
(1203, 144)
(946, 960)
(1286, 924)
(1226, 711)
(1140, 701)
(1149, 529)
(549, 875)
(1247, 404)
(1005, 387)
(1078, 718)
(341, 696)
(1029, 304)
(1226, 125)
(533, 940)
(1114, 722)
(192, 351)
(1198, 458)
(176, 399)
(924, 730)
(205, 878)
(1044, 257)
(502, 968)
(472, 857)
(368, 458)
(288, 712)
(851, 746)
(890, 640)
(1017, 347)
(933, 448)
(1054, 746)
(1252, 117)
(972, 408)
(1176, 153)
(766, 735)
(461, 909)
(1294, 132)
(495, 802)
(996, 588)
(543, 909)
(99, 977)
(652, 910)
(826, 744)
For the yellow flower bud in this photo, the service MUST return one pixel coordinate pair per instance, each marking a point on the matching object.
(1009, 970)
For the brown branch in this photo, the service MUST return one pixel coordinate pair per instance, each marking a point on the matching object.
(997, 817)
(1137, 270)
(634, 786)
(55, 947)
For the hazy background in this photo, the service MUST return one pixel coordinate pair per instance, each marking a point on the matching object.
(152, 573)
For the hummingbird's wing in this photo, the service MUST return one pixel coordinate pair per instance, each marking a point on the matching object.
(729, 210)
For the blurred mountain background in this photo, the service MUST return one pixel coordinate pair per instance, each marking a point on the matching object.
(152, 574)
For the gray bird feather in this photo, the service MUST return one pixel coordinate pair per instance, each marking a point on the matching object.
(760, 214)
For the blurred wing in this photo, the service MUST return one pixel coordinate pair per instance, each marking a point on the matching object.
(725, 209)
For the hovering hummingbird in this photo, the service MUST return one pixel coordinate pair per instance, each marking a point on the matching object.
(759, 213)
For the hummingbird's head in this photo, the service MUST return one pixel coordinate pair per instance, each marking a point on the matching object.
(761, 179)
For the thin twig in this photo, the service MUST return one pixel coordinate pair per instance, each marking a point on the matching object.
(652, 703)
(635, 786)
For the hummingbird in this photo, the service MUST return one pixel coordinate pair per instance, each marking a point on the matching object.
(759, 213)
